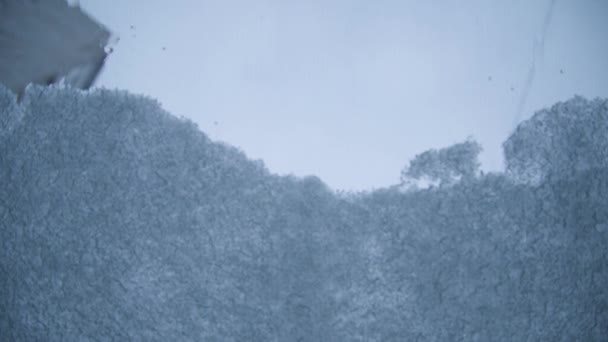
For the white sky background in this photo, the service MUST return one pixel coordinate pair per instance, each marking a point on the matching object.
(350, 90)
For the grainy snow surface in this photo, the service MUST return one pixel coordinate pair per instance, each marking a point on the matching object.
(120, 222)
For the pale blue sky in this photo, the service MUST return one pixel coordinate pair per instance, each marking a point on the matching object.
(351, 90)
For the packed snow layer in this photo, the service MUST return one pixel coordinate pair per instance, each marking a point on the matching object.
(121, 222)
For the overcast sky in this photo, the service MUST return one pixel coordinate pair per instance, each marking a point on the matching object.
(350, 90)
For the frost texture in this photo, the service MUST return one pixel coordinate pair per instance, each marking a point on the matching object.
(446, 166)
(121, 222)
(560, 142)
(11, 113)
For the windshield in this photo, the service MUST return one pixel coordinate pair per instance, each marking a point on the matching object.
(351, 90)
(308, 171)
